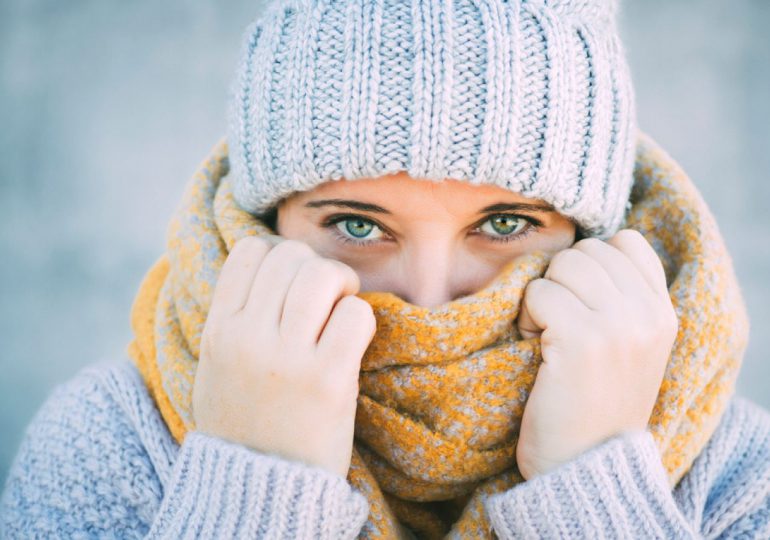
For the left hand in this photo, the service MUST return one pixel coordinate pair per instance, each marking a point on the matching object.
(607, 327)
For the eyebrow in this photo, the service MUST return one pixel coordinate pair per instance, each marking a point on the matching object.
(355, 205)
(369, 207)
(507, 207)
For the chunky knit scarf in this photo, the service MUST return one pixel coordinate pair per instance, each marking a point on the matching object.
(442, 390)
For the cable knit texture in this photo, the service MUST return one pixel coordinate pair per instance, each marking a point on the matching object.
(443, 390)
(98, 462)
(534, 96)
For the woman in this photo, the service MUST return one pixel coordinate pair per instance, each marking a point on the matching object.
(426, 301)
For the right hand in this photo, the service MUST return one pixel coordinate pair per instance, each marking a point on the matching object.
(281, 352)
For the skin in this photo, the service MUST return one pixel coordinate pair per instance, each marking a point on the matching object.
(285, 334)
(432, 245)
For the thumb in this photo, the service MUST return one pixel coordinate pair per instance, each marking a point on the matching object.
(525, 323)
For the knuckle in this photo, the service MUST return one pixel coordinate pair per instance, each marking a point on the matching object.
(249, 245)
(661, 313)
(215, 343)
(590, 243)
(246, 253)
(631, 234)
(560, 259)
(356, 307)
(657, 323)
(213, 330)
(673, 320)
(630, 237)
(346, 269)
(653, 261)
(321, 269)
(361, 308)
(356, 313)
(668, 322)
(293, 247)
(566, 260)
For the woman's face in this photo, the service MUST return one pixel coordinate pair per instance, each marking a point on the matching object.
(427, 242)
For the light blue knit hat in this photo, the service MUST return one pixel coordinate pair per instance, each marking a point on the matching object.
(534, 96)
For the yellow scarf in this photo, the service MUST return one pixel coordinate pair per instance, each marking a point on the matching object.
(442, 390)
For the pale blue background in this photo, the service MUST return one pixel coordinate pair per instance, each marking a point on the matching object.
(106, 108)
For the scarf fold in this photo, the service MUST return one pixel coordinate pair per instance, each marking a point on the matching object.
(443, 390)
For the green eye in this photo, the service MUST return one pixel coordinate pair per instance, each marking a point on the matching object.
(503, 225)
(358, 228)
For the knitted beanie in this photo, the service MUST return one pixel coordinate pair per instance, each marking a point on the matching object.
(534, 96)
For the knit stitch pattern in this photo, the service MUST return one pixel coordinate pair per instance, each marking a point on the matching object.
(534, 96)
(97, 461)
(443, 390)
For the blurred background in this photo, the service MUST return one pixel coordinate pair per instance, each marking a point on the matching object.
(106, 109)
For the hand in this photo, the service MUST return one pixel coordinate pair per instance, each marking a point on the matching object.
(281, 352)
(607, 326)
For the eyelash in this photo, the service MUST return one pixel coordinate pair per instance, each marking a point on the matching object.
(532, 226)
(331, 222)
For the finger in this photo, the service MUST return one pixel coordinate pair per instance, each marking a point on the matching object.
(236, 276)
(618, 266)
(347, 334)
(548, 304)
(316, 288)
(583, 276)
(526, 326)
(272, 239)
(636, 247)
(272, 281)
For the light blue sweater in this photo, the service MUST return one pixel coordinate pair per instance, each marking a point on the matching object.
(98, 461)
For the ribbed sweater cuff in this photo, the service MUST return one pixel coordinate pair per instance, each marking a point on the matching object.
(223, 490)
(618, 489)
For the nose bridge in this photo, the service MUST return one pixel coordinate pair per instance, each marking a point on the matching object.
(428, 272)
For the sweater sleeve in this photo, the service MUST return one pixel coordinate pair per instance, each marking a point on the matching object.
(223, 490)
(619, 489)
(85, 469)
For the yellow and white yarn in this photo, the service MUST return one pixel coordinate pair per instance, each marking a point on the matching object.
(442, 390)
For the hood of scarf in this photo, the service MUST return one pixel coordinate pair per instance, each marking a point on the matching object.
(443, 390)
